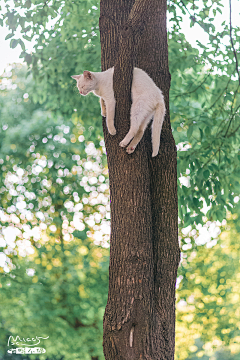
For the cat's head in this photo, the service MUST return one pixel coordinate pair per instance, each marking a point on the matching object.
(85, 82)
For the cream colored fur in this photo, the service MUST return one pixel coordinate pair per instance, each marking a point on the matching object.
(147, 103)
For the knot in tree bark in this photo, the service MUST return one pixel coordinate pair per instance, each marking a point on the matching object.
(126, 31)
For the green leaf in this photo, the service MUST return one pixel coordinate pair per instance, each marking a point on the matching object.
(206, 174)
(28, 59)
(9, 36)
(14, 43)
(208, 131)
(190, 131)
(79, 234)
(196, 201)
(22, 44)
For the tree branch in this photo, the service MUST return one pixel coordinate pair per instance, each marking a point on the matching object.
(140, 12)
(234, 51)
(193, 18)
(192, 91)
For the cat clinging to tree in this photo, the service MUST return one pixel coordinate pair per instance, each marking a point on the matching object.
(147, 103)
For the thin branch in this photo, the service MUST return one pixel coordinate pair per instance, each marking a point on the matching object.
(207, 162)
(234, 51)
(225, 89)
(193, 18)
(231, 121)
(234, 131)
(192, 91)
(225, 136)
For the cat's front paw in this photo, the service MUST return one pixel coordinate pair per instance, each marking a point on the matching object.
(122, 143)
(130, 149)
(103, 113)
(112, 131)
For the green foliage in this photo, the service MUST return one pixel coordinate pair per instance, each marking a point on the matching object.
(208, 293)
(66, 43)
(64, 298)
(54, 201)
(204, 104)
(204, 97)
(43, 157)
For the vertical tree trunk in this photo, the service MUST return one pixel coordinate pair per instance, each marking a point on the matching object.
(139, 321)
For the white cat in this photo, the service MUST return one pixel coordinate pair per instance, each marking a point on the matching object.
(147, 102)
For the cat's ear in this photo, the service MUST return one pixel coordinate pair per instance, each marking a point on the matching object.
(87, 75)
(76, 77)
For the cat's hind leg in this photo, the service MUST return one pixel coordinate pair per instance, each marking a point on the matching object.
(133, 144)
(132, 132)
(138, 114)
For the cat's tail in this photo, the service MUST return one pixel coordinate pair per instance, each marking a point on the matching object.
(157, 127)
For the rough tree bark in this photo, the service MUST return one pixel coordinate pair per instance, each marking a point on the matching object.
(139, 320)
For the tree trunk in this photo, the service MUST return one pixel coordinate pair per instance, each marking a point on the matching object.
(139, 320)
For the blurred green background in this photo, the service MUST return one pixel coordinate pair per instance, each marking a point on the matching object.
(54, 207)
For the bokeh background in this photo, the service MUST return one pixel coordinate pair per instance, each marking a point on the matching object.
(54, 195)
